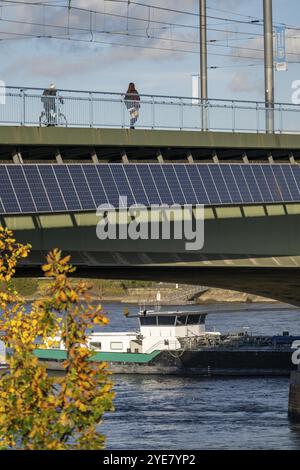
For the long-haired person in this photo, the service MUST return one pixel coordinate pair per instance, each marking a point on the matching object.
(132, 103)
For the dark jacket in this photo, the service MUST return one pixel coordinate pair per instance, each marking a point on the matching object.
(48, 97)
(132, 100)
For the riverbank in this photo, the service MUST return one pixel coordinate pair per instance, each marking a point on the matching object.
(137, 292)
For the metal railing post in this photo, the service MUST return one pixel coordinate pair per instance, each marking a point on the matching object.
(153, 112)
(208, 106)
(57, 110)
(181, 114)
(122, 104)
(281, 118)
(23, 118)
(91, 109)
(233, 116)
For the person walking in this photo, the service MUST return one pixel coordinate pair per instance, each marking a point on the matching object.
(132, 102)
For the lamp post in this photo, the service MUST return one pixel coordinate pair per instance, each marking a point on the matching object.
(203, 62)
(269, 65)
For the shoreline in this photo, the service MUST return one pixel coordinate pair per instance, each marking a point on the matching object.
(209, 298)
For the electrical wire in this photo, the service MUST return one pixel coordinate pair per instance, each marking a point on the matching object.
(90, 31)
(165, 25)
(189, 13)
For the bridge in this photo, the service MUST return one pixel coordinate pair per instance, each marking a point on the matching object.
(246, 179)
(54, 178)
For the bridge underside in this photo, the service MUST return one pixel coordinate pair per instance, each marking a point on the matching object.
(281, 284)
(251, 248)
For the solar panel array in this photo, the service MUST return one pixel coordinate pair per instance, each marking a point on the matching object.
(45, 188)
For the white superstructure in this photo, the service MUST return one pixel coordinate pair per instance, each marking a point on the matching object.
(158, 331)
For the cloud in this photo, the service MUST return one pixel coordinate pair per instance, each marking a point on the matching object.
(50, 65)
(242, 82)
(250, 48)
(68, 58)
(89, 48)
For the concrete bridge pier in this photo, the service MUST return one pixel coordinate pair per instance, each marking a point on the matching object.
(294, 397)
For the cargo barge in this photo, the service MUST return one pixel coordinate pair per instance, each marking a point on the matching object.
(177, 343)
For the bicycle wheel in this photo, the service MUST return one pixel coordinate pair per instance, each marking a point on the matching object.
(63, 120)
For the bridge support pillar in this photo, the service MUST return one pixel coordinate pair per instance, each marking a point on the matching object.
(294, 397)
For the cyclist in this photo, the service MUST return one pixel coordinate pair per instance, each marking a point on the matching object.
(49, 102)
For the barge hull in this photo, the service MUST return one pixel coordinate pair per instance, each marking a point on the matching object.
(204, 363)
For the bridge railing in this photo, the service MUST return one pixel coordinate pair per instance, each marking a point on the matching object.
(24, 107)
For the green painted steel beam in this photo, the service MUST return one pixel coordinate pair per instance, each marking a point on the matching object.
(58, 136)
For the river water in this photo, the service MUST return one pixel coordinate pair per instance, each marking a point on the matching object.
(171, 413)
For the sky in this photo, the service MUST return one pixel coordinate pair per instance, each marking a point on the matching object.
(95, 50)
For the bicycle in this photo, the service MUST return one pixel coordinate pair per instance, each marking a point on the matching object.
(49, 117)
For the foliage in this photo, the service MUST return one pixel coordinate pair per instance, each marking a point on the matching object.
(121, 287)
(38, 411)
(27, 287)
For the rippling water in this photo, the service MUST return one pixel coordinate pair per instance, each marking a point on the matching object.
(190, 413)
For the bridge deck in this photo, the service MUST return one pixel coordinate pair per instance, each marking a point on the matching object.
(38, 143)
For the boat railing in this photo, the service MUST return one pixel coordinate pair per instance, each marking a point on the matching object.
(160, 343)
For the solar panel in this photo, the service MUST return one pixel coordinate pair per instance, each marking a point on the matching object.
(242, 184)
(278, 183)
(51, 185)
(37, 188)
(7, 193)
(136, 184)
(235, 194)
(174, 185)
(67, 187)
(220, 184)
(149, 184)
(296, 173)
(291, 182)
(2, 210)
(95, 185)
(44, 188)
(262, 183)
(82, 188)
(197, 184)
(252, 183)
(185, 183)
(210, 186)
(161, 184)
(21, 188)
(122, 183)
(109, 185)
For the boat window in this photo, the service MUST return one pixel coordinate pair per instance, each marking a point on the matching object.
(148, 321)
(95, 345)
(202, 319)
(166, 320)
(116, 346)
(193, 319)
(180, 321)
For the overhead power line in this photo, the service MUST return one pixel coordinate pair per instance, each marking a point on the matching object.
(77, 29)
(161, 25)
(255, 21)
(88, 10)
(183, 12)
